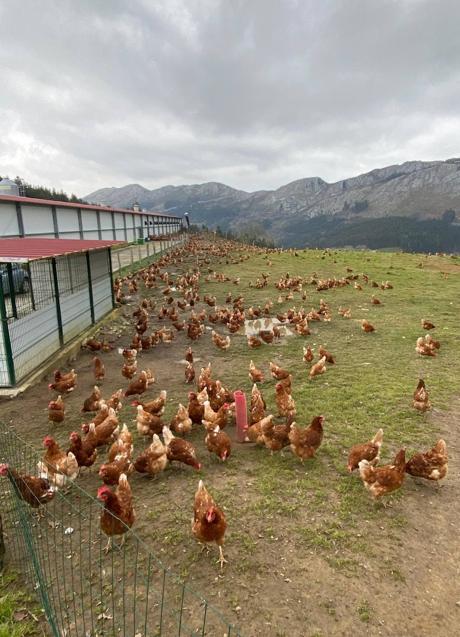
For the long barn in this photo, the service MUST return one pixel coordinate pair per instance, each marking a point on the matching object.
(29, 217)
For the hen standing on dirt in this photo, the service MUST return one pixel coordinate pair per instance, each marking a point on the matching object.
(118, 515)
(208, 523)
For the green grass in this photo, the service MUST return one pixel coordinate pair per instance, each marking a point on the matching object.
(19, 615)
(318, 505)
(365, 612)
(371, 385)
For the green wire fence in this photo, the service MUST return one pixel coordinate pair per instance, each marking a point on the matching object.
(83, 591)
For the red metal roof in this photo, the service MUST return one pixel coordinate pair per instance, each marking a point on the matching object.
(83, 206)
(31, 249)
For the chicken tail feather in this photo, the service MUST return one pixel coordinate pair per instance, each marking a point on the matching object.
(378, 438)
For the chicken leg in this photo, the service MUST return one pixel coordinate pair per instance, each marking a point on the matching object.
(40, 514)
(221, 559)
(108, 546)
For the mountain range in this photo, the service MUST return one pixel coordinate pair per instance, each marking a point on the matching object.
(311, 209)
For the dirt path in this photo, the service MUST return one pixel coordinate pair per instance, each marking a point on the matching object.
(430, 550)
(421, 600)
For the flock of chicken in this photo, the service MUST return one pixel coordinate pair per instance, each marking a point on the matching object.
(212, 405)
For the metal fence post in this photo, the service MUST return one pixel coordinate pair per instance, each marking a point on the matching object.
(31, 287)
(114, 232)
(55, 222)
(9, 272)
(124, 227)
(98, 221)
(58, 302)
(109, 255)
(6, 338)
(20, 219)
(80, 223)
(90, 287)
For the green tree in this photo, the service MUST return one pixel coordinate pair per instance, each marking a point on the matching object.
(41, 192)
(448, 216)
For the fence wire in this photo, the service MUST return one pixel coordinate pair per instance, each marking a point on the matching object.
(83, 591)
(130, 255)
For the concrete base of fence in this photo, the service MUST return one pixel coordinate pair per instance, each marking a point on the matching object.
(60, 358)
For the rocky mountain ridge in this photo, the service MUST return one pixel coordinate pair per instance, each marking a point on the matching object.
(416, 189)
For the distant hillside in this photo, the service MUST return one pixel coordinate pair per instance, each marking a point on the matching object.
(416, 190)
(405, 233)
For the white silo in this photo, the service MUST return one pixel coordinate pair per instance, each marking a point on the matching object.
(8, 187)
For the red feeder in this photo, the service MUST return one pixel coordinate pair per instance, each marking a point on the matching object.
(241, 415)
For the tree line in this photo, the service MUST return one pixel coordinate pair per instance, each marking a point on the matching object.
(41, 192)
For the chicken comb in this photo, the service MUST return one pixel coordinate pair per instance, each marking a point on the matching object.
(104, 490)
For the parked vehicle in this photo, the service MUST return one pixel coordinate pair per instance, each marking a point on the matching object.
(20, 279)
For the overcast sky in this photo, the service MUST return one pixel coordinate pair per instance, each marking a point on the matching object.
(252, 93)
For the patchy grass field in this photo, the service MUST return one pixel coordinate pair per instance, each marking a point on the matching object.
(309, 553)
(19, 615)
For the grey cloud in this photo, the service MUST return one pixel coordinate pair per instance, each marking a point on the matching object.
(250, 93)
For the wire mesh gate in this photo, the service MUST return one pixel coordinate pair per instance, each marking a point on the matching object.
(84, 592)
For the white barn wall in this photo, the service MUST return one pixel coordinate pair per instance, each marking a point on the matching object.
(119, 222)
(106, 222)
(119, 226)
(67, 221)
(89, 220)
(8, 221)
(131, 225)
(71, 235)
(38, 220)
